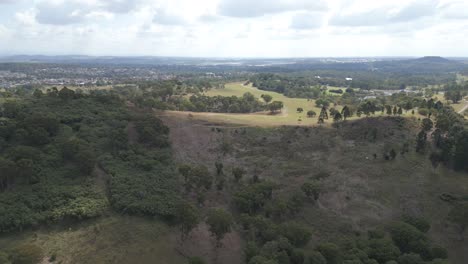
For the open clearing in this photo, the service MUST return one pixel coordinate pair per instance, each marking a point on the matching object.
(288, 116)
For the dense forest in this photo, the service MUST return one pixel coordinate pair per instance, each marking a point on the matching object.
(55, 146)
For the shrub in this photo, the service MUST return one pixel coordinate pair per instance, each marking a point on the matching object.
(405, 235)
(382, 250)
(196, 260)
(410, 259)
(297, 234)
(331, 253)
(420, 223)
(423, 111)
(316, 257)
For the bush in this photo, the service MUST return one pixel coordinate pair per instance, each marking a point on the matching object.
(331, 253)
(420, 223)
(405, 236)
(316, 257)
(196, 260)
(423, 111)
(383, 250)
(410, 259)
(438, 252)
(297, 234)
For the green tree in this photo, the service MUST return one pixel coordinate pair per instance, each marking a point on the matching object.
(311, 189)
(297, 234)
(427, 124)
(275, 106)
(311, 113)
(323, 113)
(331, 252)
(300, 110)
(421, 141)
(66, 94)
(405, 236)
(400, 111)
(382, 250)
(238, 173)
(316, 257)
(219, 222)
(219, 168)
(187, 218)
(388, 109)
(345, 112)
(196, 260)
(410, 259)
(337, 117)
(267, 98)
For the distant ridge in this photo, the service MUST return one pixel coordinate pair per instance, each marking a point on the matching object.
(433, 59)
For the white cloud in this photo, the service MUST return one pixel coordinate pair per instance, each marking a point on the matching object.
(249, 8)
(276, 28)
(307, 20)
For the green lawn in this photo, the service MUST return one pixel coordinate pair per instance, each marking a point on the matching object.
(288, 116)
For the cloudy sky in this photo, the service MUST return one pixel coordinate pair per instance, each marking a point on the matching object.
(235, 28)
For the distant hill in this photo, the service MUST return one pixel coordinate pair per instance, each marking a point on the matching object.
(434, 59)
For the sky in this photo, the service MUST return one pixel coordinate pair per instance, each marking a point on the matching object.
(235, 28)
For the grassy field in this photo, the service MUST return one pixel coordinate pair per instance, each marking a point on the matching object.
(113, 239)
(288, 116)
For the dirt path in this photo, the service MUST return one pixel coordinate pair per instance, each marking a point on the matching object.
(464, 108)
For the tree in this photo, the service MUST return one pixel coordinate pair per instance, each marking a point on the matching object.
(337, 117)
(400, 111)
(323, 113)
(38, 93)
(238, 173)
(389, 109)
(427, 124)
(219, 168)
(8, 169)
(196, 177)
(316, 257)
(460, 155)
(66, 94)
(311, 189)
(219, 222)
(311, 113)
(421, 141)
(186, 217)
(383, 250)
(410, 259)
(345, 112)
(395, 110)
(196, 260)
(300, 110)
(267, 98)
(331, 252)
(297, 234)
(405, 236)
(275, 106)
